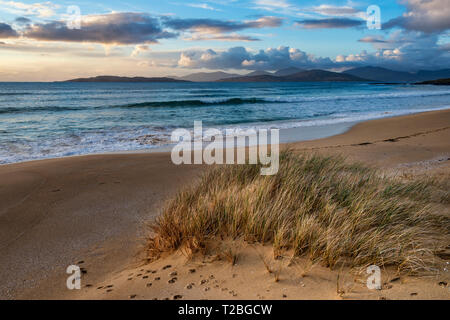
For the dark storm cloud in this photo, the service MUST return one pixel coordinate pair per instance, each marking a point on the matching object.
(114, 28)
(22, 20)
(427, 16)
(220, 26)
(136, 28)
(331, 23)
(6, 31)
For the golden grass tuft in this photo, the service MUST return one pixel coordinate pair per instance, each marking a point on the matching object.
(319, 206)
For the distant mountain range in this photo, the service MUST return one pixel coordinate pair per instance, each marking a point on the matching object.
(439, 82)
(362, 74)
(124, 79)
(287, 71)
(387, 75)
(302, 76)
(208, 76)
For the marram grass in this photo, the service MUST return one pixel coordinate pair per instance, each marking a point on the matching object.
(319, 206)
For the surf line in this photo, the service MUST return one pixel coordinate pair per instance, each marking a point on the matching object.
(235, 141)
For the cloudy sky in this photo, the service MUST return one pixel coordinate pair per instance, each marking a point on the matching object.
(57, 40)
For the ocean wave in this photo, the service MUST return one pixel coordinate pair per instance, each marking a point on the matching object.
(15, 93)
(150, 104)
(398, 95)
(195, 103)
(16, 110)
(208, 91)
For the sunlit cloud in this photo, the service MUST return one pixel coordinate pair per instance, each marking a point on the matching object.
(40, 9)
(202, 6)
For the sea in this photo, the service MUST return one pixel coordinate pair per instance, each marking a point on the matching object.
(51, 120)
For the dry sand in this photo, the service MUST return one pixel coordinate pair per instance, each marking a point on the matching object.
(91, 211)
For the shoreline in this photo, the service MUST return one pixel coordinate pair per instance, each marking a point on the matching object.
(93, 208)
(287, 136)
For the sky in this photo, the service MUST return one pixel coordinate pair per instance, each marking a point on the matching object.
(59, 40)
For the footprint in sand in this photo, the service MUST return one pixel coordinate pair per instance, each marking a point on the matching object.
(173, 274)
(177, 297)
(173, 280)
(192, 270)
(167, 267)
(158, 278)
(132, 296)
(149, 284)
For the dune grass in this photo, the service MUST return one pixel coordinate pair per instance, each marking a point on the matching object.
(319, 206)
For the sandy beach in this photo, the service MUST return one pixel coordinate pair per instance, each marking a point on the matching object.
(93, 211)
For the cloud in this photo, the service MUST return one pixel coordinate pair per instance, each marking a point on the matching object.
(22, 20)
(139, 49)
(404, 51)
(220, 26)
(328, 23)
(78, 50)
(272, 5)
(329, 10)
(427, 16)
(401, 50)
(128, 28)
(372, 39)
(202, 6)
(241, 58)
(43, 9)
(6, 31)
(113, 28)
(221, 37)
